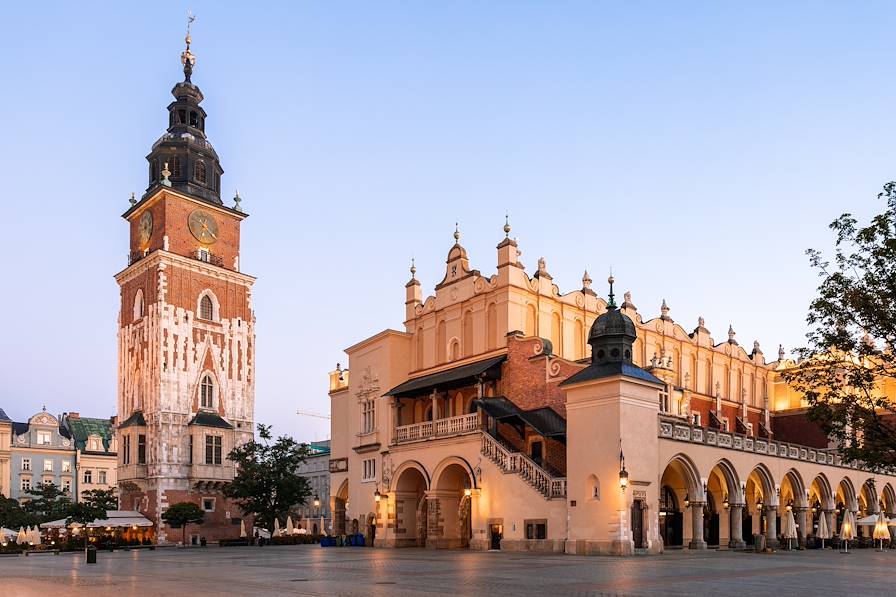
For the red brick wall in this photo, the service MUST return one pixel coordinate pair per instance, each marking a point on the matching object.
(524, 378)
(796, 428)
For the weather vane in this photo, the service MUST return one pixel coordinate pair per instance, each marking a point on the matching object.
(187, 55)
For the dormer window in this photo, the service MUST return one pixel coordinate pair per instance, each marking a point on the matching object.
(206, 392)
(201, 175)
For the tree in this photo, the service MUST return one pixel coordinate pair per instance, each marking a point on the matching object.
(49, 502)
(266, 484)
(101, 498)
(82, 514)
(12, 515)
(181, 514)
(849, 361)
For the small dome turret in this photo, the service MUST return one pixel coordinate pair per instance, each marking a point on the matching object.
(612, 334)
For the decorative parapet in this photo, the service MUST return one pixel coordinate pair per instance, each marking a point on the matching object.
(680, 430)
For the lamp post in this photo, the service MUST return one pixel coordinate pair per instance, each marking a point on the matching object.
(623, 474)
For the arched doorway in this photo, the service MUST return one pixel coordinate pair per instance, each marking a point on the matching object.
(821, 503)
(792, 502)
(724, 488)
(681, 478)
(340, 502)
(846, 500)
(762, 501)
(450, 507)
(411, 484)
(868, 505)
(671, 518)
(711, 522)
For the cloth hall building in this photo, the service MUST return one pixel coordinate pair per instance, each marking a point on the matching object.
(508, 415)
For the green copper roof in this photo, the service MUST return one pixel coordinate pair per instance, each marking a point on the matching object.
(83, 427)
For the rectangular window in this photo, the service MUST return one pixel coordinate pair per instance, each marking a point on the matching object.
(126, 451)
(664, 399)
(191, 449)
(368, 416)
(43, 438)
(26, 464)
(88, 476)
(536, 529)
(141, 449)
(66, 466)
(48, 466)
(213, 449)
(101, 477)
(208, 504)
(66, 485)
(26, 483)
(47, 480)
(369, 470)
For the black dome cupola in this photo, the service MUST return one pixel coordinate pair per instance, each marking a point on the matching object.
(612, 335)
(192, 163)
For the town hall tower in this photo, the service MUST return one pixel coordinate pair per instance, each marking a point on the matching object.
(186, 333)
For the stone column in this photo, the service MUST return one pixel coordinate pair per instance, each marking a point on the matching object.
(801, 525)
(891, 529)
(829, 519)
(737, 527)
(771, 526)
(697, 541)
(435, 406)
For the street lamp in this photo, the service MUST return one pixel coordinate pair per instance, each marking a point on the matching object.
(468, 492)
(790, 505)
(687, 500)
(725, 502)
(377, 496)
(317, 501)
(623, 474)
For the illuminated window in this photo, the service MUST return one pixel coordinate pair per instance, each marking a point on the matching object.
(48, 466)
(88, 477)
(26, 464)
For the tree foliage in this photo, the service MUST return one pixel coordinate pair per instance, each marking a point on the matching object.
(266, 484)
(47, 502)
(849, 365)
(101, 498)
(13, 516)
(181, 514)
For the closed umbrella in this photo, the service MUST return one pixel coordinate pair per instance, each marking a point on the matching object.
(242, 529)
(789, 530)
(36, 540)
(21, 537)
(290, 529)
(847, 529)
(823, 532)
(276, 527)
(881, 531)
(322, 530)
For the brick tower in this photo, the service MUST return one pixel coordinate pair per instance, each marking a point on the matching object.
(186, 330)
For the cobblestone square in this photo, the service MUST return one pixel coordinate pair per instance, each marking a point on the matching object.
(310, 570)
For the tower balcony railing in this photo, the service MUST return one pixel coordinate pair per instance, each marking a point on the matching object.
(447, 427)
(135, 256)
(208, 257)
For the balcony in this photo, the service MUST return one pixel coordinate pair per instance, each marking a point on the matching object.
(449, 427)
(208, 257)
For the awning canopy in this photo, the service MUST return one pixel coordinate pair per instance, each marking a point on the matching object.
(545, 421)
(449, 379)
(114, 518)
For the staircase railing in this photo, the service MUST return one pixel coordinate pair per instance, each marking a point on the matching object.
(525, 467)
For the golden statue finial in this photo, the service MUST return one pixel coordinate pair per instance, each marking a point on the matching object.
(187, 55)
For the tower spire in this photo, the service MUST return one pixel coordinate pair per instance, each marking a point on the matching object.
(612, 302)
(187, 58)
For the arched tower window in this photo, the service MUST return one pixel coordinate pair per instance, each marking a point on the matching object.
(492, 317)
(153, 170)
(138, 305)
(175, 166)
(441, 342)
(206, 308)
(201, 175)
(556, 333)
(468, 333)
(207, 392)
(530, 321)
(420, 348)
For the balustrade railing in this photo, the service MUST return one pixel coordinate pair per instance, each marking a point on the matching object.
(439, 428)
(525, 467)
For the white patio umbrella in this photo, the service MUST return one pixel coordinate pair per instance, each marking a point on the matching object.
(36, 539)
(322, 530)
(789, 527)
(21, 537)
(823, 532)
(847, 529)
(290, 529)
(301, 531)
(881, 531)
(276, 527)
(242, 529)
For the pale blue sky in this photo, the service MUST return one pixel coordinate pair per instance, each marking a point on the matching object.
(698, 148)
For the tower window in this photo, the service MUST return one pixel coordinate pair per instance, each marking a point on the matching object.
(200, 172)
(138, 305)
(182, 116)
(175, 167)
(153, 171)
(206, 308)
(206, 392)
(194, 119)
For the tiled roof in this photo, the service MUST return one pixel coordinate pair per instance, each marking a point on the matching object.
(83, 427)
(134, 419)
(609, 370)
(207, 419)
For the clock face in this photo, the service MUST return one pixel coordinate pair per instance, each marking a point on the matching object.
(144, 229)
(203, 227)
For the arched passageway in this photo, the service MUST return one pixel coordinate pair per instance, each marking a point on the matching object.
(724, 515)
(410, 507)
(683, 503)
(449, 506)
(762, 501)
(340, 503)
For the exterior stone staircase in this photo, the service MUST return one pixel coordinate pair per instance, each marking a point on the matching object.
(516, 462)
